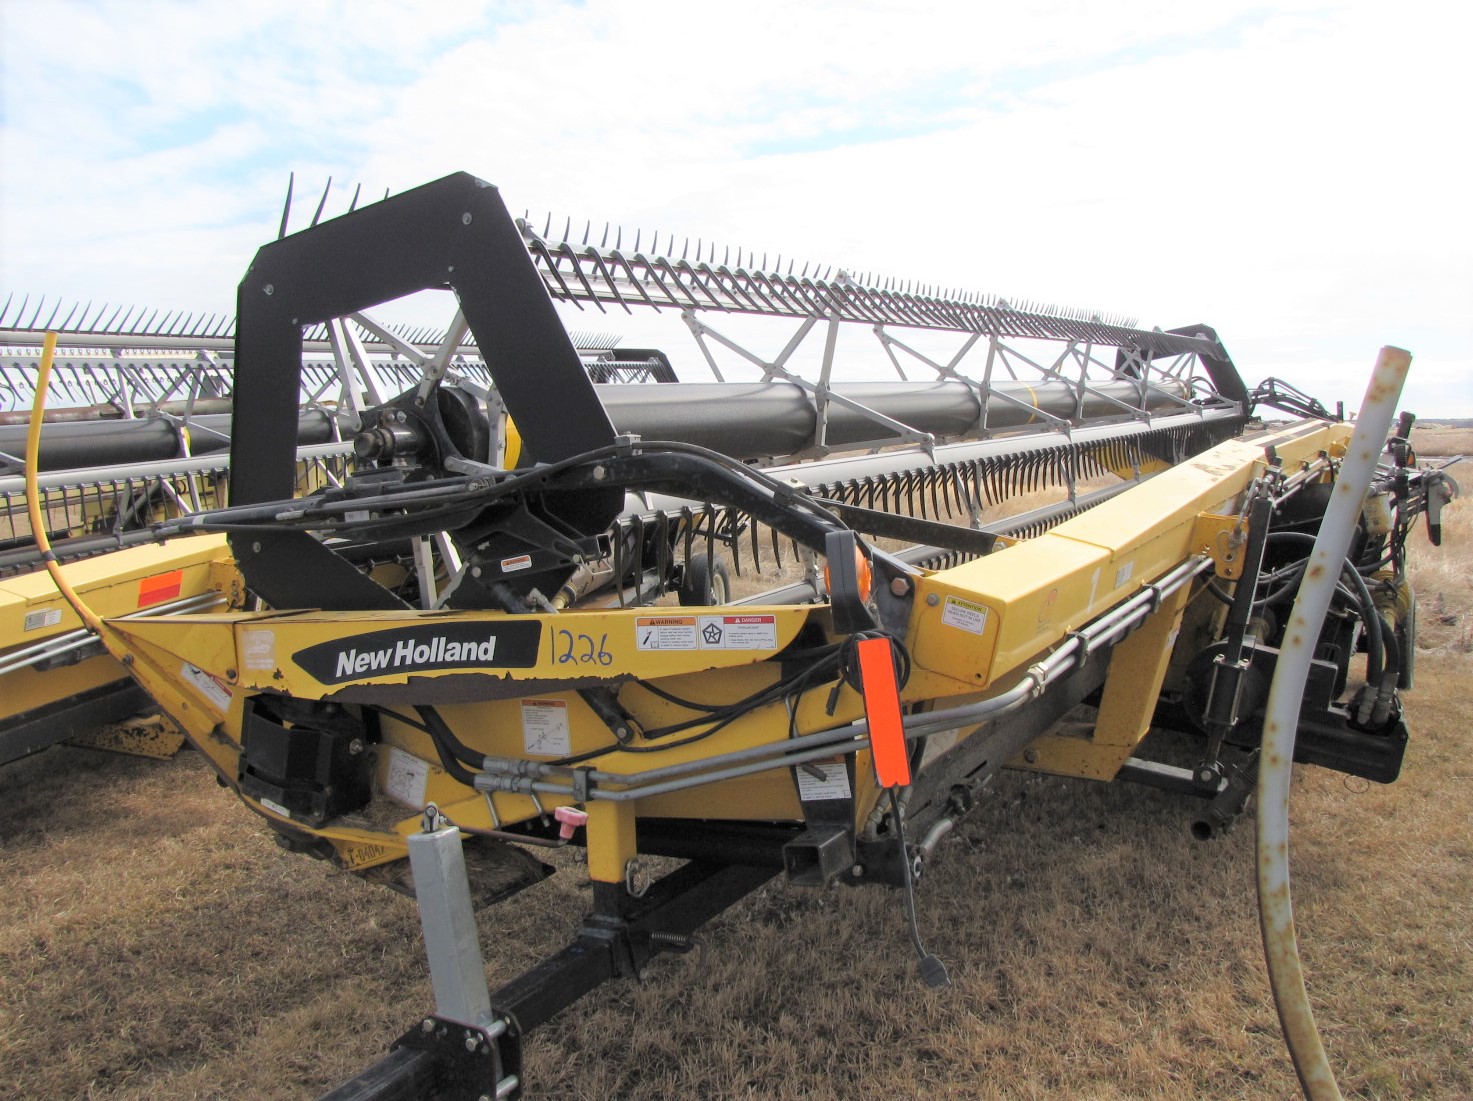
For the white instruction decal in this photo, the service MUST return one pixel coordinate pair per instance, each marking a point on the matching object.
(966, 614)
(216, 691)
(258, 649)
(1122, 575)
(738, 632)
(545, 728)
(665, 632)
(272, 804)
(823, 780)
(48, 618)
(407, 778)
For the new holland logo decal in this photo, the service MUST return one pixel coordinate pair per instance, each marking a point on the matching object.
(458, 646)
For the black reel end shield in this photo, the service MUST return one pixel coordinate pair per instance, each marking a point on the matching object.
(455, 233)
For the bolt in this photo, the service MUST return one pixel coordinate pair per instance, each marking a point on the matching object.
(475, 571)
(599, 473)
(127, 659)
(255, 548)
(465, 219)
(427, 1025)
(470, 1041)
(932, 600)
(355, 747)
(230, 674)
(1031, 756)
(857, 870)
(900, 586)
(270, 289)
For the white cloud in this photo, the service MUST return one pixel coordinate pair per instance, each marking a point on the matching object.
(1292, 177)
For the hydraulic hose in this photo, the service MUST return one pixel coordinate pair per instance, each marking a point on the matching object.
(33, 497)
(1275, 904)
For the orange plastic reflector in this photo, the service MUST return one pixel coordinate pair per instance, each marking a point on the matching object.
(160, 587)
(882, 709)
(864, 576)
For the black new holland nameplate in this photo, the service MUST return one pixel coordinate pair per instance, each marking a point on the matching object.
(468, 647)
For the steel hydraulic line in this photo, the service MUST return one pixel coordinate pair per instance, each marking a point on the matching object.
(515, 775)
(1281, 725)
(58, 645)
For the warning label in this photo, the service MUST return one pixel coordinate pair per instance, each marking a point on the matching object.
(738, 632)
(707, 632)
(964, 614)
(216, 691)
(820, 780)
(545, 728)
(35, 621)
(407, 778)
(665, 632)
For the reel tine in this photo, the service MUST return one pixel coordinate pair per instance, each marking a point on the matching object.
(322, 202)
(286, 207)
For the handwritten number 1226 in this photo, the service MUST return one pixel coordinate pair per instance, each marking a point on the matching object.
(580, 649)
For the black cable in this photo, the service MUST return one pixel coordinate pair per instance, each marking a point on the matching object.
(933, 971)
(720, 716)
(451, 750)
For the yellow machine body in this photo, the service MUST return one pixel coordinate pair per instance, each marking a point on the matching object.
(117, 585)
(974, 631)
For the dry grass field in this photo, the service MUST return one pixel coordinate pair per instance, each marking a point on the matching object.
(155, 943)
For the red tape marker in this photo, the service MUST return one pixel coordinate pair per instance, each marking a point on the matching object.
(160, 587)
(882, 709)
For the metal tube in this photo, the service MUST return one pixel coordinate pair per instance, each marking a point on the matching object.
(1281, 722)
(159, 468)
(68, 444)
(515, 775)
(457, 970)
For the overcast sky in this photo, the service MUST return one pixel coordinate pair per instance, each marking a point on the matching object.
(1296, 175)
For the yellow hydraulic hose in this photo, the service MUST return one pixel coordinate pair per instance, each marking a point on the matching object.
(33, 497)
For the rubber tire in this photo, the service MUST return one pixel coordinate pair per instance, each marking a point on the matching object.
(706, 583)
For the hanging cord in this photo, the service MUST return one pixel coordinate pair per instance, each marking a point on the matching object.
(933, 971)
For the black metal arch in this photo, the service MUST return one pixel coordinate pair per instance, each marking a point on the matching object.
(456, 233)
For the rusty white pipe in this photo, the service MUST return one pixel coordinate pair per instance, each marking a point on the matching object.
(1281, 722)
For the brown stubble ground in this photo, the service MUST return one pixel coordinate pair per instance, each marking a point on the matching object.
(154, 942)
